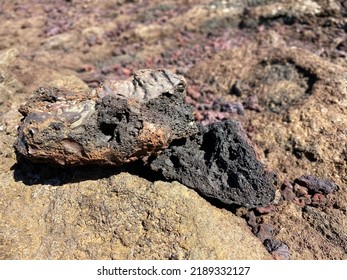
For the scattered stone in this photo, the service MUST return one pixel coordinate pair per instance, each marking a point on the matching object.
(252, 103)
(287, 191)
(193, 92)
(120, 122)
(307, 198)
(266, 210)
(307, 190)
(318, 200)
(233, 107)
(208, 107)
(212, 117)
(302, 201)
(278, 249)
(264, 232)
(236, 89)
(219, 162)
(300, 190)
(251, 220)
(316, 185)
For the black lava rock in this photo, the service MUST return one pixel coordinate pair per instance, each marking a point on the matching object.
(219, 162)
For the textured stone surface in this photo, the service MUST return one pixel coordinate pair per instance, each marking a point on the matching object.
(306, 137)
(278, 249)
(120, 122)
(219, 162)
(317, 185)
(300, 130)
(122, 217)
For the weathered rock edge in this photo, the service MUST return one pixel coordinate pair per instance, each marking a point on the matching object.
(144, 117)
(120, 122)
(220, 163)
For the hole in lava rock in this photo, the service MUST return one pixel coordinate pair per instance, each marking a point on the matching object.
(175, 160)
(233, 154)
(108, 129)
(208, 144)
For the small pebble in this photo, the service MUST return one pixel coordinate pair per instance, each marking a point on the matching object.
(264, 231)
(233, 107)
(195, 94)
(266, 210)
(300, 190)
(287, 191)
(236, 89)
(251, 219)
(301, 201)
(252, 103)
(316, 185)
(318, 200)
(278, 249)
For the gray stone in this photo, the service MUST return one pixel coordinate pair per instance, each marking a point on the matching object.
(317, 185)
(219, 162)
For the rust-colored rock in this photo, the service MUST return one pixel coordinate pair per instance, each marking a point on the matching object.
(118, 123)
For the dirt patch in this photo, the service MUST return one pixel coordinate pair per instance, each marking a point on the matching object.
(279, 85)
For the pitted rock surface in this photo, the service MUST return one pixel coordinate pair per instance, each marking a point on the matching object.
(219, 162)
(118, 123)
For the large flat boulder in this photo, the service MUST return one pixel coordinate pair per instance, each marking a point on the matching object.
(121, 217)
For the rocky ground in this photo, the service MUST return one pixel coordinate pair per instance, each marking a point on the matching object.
(279, 67)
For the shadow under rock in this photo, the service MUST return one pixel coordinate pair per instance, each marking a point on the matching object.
(47, 174)
(43, 173)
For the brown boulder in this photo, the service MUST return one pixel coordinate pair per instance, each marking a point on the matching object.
(121, 217)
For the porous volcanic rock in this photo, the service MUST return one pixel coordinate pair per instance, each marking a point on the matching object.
(119, 122)
(219, 162)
